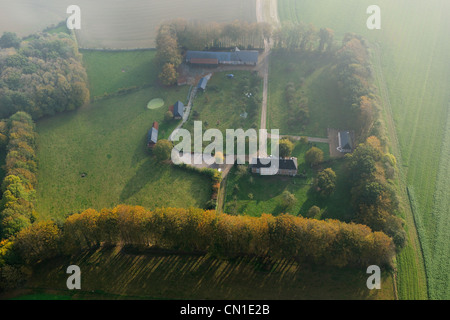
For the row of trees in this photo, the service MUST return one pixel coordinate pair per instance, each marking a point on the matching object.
(18, 187)
(354, 72)
(373, 196)
(42, 76)
(200, 35)
(195, 230)
(303, 38)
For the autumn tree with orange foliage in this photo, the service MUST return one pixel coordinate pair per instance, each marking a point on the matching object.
(328, 242)
(373, 197)
(16, 206)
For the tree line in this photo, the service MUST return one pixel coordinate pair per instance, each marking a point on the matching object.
(374, 198)
(18, 187)
(331, 242)
(300, 37)
(42, 76)
(354, 73)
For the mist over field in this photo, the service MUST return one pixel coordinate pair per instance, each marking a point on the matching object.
(118, 24)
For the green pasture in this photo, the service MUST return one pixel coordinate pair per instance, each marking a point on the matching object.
(97, 157)
(109, 71)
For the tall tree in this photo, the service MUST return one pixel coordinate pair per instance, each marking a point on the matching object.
(326, 182)
(163, 150)
(285, 148)
(314, 156)
(10, 40)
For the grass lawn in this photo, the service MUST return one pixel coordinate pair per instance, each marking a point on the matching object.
(106, 141)
(120, 274)
(313, 78)
(255, 195)
(114, 70)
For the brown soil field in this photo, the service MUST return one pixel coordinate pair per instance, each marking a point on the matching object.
(118, 24)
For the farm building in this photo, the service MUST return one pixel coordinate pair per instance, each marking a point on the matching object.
(286, 166)
(178, 110)
(202, 83)
(152, 136)
(213, 59)
(345, 142)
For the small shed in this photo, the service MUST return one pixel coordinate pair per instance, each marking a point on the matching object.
(202, 83)
(178, 110)
(152, 135)
(345, 142)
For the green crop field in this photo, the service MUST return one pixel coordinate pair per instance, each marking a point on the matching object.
(97, 157)
(414, 59)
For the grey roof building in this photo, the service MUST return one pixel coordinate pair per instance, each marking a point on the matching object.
(202, 83)
(345, 142)
(286, 166)
(178, 109)
(244, 57)
(152, 135)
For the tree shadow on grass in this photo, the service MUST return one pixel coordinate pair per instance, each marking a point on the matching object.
(166, 275)
(312, 200)
(141, 152)
(148, 172)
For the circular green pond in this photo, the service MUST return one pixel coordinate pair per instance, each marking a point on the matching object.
(155, 103)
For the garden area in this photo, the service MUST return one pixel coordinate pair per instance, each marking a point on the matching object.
(228, 103)
(252, 194)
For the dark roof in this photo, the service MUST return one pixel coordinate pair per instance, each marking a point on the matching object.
(202, 83)
(284, 163)
(178, 109)
(345, 140)
(244, 56)
(152, 136)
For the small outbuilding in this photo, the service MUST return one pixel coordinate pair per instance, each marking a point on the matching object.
(345, 142)
(202, 84)
(152, 135)
(178, 110)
